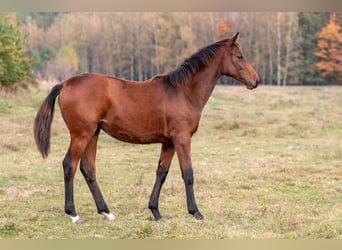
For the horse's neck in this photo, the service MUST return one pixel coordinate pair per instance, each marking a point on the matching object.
(203, 83)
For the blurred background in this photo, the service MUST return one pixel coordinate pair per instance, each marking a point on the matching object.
(286, 48)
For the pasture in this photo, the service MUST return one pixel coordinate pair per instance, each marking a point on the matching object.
(267, 164)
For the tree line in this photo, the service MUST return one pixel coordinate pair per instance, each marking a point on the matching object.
(285, 47)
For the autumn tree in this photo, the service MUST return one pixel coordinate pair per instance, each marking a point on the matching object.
(223, 27)
(329, 51)
(168, 43)
(64, 65)
(36, 44)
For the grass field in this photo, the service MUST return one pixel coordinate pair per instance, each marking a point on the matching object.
(267, 164)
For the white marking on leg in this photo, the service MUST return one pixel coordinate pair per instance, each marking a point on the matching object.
(76, 219)
(109, 216)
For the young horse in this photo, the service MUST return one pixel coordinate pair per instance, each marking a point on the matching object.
(165, 109)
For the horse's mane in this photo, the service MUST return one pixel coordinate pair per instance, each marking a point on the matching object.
(193, 64)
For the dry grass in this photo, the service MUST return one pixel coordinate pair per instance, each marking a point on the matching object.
(268, 164)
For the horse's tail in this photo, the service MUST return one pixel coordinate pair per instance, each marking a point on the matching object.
(43, 120)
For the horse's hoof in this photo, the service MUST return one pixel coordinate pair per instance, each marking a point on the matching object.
(76, 220)
(198, 216)
(109, 216)
(160, 218)
(156, 214)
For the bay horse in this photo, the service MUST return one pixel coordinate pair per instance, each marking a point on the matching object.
(165, 109)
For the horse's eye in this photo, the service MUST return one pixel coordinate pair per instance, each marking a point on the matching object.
(240, 57)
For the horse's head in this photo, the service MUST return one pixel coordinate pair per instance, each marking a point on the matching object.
(236, 65)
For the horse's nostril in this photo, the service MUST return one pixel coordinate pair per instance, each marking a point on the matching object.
(257, 82)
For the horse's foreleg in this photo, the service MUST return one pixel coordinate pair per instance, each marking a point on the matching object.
(88, 170)
(182, 145)
(165, 159)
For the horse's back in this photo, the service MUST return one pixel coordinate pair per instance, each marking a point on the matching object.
(130, 111)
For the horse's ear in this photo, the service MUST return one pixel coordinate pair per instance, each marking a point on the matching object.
(233, 40)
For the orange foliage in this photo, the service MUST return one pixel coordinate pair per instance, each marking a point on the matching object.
(329, 51)
(223, 27)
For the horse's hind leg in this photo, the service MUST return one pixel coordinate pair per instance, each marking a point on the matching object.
(166, 155)
(70, 162)
(88, 170)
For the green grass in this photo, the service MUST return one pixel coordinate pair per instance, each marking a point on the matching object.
(267, 163)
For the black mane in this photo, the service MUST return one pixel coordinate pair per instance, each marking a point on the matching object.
(193, 64)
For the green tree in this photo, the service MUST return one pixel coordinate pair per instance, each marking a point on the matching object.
(43, 19)
(15, 64)
(309, 24)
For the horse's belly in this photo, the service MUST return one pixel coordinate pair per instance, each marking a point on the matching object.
(135, 133)
(141, 139)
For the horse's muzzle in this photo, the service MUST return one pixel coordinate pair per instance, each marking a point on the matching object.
(253, 85)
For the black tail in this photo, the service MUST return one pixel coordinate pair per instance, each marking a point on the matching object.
(43, 120)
